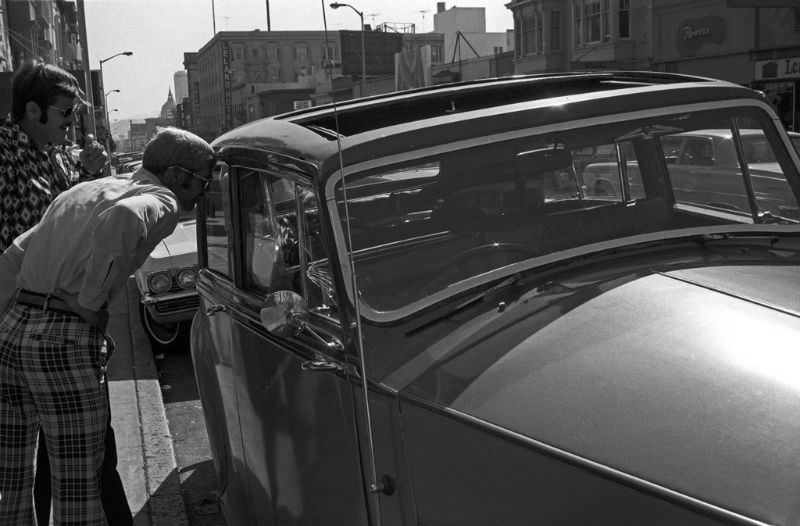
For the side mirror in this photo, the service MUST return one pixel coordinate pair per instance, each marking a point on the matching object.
(284, 313)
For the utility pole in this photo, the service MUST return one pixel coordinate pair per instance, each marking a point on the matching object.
(269, 25)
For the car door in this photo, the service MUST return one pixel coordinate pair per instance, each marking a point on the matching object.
(296, 413)
(211, 348)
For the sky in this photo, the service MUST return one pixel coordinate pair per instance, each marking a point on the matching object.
(158, 32)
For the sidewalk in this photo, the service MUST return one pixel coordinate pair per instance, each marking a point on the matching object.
(146, 457)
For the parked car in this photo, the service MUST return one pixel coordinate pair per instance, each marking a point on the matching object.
(412, 311)
(166, 283)
(704, 168)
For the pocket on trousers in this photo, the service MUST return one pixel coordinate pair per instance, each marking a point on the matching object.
(54, 340)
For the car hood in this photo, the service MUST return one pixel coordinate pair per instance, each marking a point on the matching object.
(687, 378)
(179, 249)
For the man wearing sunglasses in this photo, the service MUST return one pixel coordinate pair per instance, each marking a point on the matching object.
(45, 100)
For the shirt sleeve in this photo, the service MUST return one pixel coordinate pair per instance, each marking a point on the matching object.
(121, 232)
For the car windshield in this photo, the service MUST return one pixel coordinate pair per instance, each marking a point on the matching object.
(428, 224)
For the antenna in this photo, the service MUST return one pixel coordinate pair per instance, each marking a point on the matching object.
(372, 17)
(423, 12)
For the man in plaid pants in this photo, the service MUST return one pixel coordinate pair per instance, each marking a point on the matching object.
(52, 339)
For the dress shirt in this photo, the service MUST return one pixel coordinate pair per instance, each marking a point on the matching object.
(28, 182)
(95, 235)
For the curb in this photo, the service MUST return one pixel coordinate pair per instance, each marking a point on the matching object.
(146, 462)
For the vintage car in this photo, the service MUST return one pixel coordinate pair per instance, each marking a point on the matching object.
(412, 312)
(166, 286)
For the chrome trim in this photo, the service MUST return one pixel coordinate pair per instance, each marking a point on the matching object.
(151, 299)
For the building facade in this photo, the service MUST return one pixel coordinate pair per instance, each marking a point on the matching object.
(45, 30)
(465, 36)
(750, 45)
(237, 65)
(576, 35)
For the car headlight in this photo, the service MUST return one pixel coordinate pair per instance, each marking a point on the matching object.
(159, 282)
(186, 278)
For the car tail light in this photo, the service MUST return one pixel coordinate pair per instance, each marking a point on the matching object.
(186, 278)
(159, 282)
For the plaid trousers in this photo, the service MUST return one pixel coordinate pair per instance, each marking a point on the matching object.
(52, 369)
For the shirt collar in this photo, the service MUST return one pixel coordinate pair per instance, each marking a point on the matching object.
(146, 176)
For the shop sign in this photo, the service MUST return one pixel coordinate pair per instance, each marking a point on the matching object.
(580, 65)
(695, 32)
(226, 84)
(782, 68)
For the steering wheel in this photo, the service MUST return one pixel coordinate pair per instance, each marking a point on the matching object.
(456, 267)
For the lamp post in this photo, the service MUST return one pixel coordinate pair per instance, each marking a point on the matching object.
(105, 104)
(108, 120)
(337, 5)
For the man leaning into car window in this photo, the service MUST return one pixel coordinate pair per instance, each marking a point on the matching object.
(53, 345)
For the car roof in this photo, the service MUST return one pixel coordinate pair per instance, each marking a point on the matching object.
(374, 126)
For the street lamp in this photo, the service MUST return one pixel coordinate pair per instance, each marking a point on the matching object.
(337, 5)
(105, 104)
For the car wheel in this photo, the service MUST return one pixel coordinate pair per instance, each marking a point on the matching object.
(163, 336)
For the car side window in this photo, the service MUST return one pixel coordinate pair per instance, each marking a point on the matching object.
(218, 222)
(264, 269)
(282, 240)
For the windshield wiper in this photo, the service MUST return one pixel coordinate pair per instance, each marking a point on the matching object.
(472, 300)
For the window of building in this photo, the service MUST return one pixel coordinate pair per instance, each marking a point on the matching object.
(436, 54)
(272, 52)
(497, 50)
(797, 20)
(329, 54)
(578, 23)
(528, 32)
(592, 21)
(539, 33)
(254, 52)
(300, 55)
(625, 18)
(555, 30)
(606, 25)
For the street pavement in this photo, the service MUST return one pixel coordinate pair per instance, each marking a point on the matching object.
(147, 462)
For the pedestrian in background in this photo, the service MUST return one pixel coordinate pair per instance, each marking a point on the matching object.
(52, 340)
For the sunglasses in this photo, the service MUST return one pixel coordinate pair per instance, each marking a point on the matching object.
(67, 112)
(206, 182)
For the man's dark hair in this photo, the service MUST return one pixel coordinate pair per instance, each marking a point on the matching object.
(41, 83)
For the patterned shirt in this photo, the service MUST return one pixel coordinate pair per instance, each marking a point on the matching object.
(29, 181)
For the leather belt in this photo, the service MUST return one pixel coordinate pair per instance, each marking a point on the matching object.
(44, 302)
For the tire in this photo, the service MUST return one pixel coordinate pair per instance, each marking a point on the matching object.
(163, 336)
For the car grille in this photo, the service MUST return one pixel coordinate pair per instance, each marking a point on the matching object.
(177, 305)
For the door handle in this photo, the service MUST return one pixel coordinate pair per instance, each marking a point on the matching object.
(321, 366)
(216, 308)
